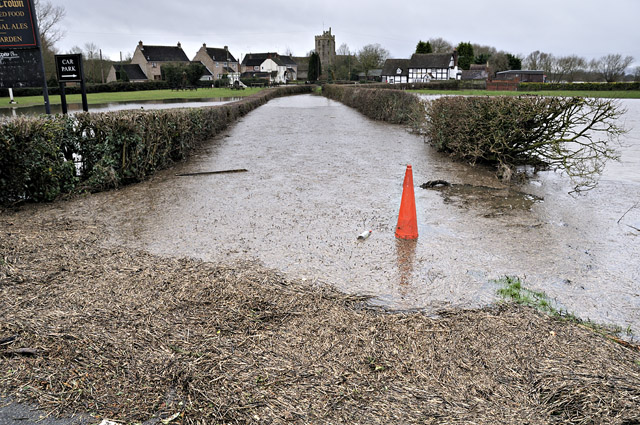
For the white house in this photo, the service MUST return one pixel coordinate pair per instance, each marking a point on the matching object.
(279, 69)
(433, 66)
(395, 71)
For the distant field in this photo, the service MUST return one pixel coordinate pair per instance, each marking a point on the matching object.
(96, 98)
(622, 94)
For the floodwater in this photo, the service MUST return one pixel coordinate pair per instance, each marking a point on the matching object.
(119, 106)
(319, 174)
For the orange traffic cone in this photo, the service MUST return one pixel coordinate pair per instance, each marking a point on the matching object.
(407, 222)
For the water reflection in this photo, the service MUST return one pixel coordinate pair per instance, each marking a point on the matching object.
(120, 106)
(405, 261)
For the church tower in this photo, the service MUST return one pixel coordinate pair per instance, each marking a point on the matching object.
(326, 50)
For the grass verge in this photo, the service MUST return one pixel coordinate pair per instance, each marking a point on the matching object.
(131, 96)
(513, 290)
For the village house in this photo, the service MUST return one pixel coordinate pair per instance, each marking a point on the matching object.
(433, 66)
(151, 58)
(219, 62)
(277, 69)
(302, 67)
(422, 68)
(395, 71)
(126, 72)
(476, 72)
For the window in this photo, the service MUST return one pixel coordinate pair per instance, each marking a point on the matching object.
(398, 71)
(154, 65)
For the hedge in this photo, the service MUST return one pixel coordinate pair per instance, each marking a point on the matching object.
(91, 88)
(579, 86)
(394, 106)
(433, 85)
(45, 156)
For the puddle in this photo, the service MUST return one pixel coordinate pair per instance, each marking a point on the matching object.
(486, 200)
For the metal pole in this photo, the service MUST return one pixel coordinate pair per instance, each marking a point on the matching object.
(45, 89)
(101, 67)
(63, 98)
(85, 104)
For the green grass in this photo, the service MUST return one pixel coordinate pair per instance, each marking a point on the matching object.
(620, 94)
(512, 290)
(131, 96)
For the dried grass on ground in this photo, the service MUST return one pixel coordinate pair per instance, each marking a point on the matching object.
(127, 335)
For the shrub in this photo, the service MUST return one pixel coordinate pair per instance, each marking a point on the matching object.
(393, 106)
(37, 154)
(579, 86)
(571, 134)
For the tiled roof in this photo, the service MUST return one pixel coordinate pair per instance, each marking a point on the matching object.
(474, 74)
(255, 57)
(164, 54)
(134, 72)
(303, 63)
(288, 60)
(221, 55)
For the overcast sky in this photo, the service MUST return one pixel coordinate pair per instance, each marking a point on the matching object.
(589, 28)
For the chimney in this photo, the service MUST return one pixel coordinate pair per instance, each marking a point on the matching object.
(226, 48)
(179, 45)
(140, 45)
(204, 45)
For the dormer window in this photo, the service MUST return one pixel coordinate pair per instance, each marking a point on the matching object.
(398, 71)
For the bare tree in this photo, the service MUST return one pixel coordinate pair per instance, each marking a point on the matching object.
(440, 45)
(91, 51)
(566, 67)
(636, 74)
(372, 56)
(611, 67)
(540, 61)
(49, 17)
(343, 50)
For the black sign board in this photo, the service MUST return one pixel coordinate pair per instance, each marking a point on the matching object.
(69, 68)
(17, 24)
(20, 68)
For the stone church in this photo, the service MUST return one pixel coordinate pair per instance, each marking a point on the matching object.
(326, 49)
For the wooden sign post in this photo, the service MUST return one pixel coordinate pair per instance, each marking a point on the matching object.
(69, 69)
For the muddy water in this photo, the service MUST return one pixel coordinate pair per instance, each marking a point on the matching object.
(319, 174)
(119, 106)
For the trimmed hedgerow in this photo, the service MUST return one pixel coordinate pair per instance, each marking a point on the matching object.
(45, 156)
(579, 86)
(392, 106)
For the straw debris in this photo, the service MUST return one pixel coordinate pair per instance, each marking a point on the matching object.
(130, 336)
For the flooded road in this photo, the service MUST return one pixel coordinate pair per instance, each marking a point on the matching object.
(319, 174)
